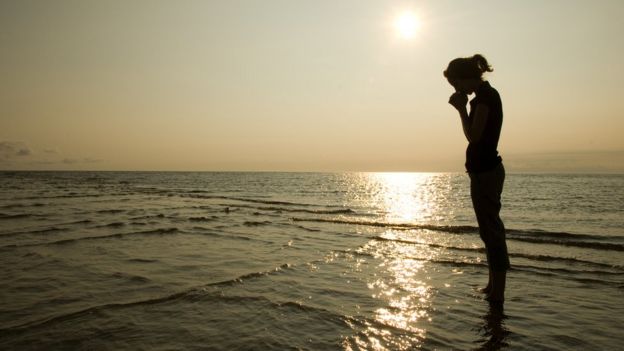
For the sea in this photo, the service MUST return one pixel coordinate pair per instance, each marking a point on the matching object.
(305, 261)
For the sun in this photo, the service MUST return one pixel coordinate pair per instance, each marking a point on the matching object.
(406, 24)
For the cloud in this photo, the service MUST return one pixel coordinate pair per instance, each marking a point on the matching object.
(66, 161)
(71, 161)
(10, 150)
(18, 154)
(24, 152)
(611, 161)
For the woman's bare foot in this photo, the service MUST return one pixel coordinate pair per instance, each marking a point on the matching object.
(497, 291)
(488, 287)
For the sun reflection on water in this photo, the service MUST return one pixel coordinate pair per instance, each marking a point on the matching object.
(401, 282)
(402, 285)
(405, 197)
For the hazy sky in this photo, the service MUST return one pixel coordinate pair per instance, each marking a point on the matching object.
(318, 85)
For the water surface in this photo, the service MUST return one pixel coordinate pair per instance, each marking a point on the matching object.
(376, 261)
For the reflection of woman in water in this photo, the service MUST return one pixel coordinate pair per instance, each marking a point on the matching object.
(482, 126)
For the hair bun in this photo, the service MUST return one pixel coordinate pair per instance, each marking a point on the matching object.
(467, 68)
(482, 63)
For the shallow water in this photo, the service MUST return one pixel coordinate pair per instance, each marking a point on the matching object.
(162, 261)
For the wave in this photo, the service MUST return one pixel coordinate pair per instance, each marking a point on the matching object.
(15, 216)
(36, 204)
(160, 215)
(46, 230)
(531, 236)
(295, 210)
(202, 194)
(192, 294)
(543, 258)
(406, 226)
(250, 276)
(290, 225)
(63, 196)
(112, 225)
(131, 277)
(161, 231)
(256, 224)
(226, 235)
(574, 243)
(305, 228)
(82, 221)
(54, 228)
(37, 231)
(203, 219)
(576, 275)
(558, 235)
(568, 260)
(91, 310)
(527, 268)
(258, 201)
(141, 260)
(112, 210)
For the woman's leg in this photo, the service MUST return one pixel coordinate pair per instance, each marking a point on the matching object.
(476, 193)
(486, 189)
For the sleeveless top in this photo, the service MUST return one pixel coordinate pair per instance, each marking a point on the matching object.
(482, 156)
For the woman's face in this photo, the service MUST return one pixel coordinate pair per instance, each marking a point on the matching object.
(463, 86)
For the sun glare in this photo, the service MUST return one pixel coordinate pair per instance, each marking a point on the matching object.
(406, 24)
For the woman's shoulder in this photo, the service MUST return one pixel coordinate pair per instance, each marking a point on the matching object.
(487, 93)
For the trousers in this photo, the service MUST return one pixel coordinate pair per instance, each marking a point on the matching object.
(485, 190)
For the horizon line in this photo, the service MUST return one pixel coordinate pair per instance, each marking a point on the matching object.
(542, 172)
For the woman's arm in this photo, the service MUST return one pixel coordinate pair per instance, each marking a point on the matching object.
(465, 120)
(459, 101)
(478, 125)
(473, 130)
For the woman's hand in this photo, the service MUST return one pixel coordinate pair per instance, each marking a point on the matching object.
(459, 101)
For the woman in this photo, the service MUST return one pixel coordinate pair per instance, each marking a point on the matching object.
(482, 126)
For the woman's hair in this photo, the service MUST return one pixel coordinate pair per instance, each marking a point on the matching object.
(467, 68)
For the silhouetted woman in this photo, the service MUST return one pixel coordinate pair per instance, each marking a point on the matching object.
(482, 127)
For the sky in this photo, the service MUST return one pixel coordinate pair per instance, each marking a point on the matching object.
(285, 85)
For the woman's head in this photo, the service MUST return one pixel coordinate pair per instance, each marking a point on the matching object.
(465, 73)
